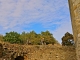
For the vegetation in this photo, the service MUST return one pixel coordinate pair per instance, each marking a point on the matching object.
(48, 37)
(30, 38)
(1, 37)
(12, 37)
(67, 39)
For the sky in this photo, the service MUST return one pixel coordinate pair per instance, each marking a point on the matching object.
(37, 15)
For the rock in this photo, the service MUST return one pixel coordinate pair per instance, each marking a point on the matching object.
(1, 50)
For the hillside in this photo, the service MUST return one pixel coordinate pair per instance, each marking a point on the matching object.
(38, 52)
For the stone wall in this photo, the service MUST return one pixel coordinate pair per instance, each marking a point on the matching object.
(75, 19)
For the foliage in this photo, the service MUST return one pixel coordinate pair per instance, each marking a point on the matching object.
(23, 37)
(12, 37)
(1, 37)
(35, 39)
(67, 39)
(48, 37)
(30, 38)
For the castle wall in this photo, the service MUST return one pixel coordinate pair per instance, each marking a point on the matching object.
(74, 6)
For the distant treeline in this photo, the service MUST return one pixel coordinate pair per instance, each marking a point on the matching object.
(29, 38)
(32, 38)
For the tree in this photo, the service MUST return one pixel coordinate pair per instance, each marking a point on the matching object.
(67, 39)
(23, 37)
(12, 37)
(33, 38)
(48, 37)
(1, 37)
(29, 38)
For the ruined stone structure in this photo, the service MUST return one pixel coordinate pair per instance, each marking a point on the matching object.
(75, 19)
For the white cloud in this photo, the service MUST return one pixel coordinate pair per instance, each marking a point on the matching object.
(33, 9)
(59, 32)
(14, 14)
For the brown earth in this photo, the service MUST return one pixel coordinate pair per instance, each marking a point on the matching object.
(37, 52)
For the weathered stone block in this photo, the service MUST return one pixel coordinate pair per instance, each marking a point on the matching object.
(76, 2)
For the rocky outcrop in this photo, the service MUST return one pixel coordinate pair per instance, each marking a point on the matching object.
(1, 50)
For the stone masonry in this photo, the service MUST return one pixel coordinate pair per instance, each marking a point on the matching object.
(74, 6)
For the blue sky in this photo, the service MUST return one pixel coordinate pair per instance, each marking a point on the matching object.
(37, 15)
